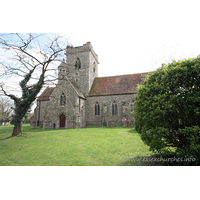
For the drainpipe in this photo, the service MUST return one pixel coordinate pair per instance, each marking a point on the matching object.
(38, 122)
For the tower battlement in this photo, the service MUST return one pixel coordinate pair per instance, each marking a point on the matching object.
(84, 48)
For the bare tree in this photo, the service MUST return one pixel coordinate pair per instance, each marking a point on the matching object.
(31, 57)
(5, 109)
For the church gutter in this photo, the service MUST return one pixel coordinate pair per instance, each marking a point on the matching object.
(110, 94)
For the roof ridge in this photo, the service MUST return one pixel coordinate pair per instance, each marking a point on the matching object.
(122, 75)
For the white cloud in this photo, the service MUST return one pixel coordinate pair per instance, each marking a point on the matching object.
(129, 36)
(135, 36)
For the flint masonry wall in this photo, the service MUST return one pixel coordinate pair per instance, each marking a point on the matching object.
(55, 109)
(39, 113)
(85, 75)
(80, 112)
(123, 118)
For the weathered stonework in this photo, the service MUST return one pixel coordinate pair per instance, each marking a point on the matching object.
(85, 75)
(123, 105)
(76, 107)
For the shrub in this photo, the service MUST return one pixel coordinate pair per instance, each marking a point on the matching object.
(167, 108)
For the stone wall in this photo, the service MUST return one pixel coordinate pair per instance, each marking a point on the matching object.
(85, 75)
(123, 117)
(39, 113)
(54, 109)
(80, 112)
(73, 109)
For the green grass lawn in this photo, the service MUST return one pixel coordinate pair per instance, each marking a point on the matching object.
(89, 146)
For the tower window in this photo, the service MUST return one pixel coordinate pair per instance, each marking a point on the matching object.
(78, 64)
(114, 108)
(62, 99)
(94, 67)
(97, 108)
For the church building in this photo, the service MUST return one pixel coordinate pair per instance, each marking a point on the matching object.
(81, 98)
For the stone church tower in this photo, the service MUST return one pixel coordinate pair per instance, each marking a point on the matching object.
(64, 105)
(81, 66)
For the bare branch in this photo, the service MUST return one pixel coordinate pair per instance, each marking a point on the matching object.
(32, 61)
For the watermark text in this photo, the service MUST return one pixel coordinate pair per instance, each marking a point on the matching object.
(161, 159)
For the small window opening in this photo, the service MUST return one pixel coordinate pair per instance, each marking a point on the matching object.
(94, 67)
(97, 109)
(62, 99)
(78, 64)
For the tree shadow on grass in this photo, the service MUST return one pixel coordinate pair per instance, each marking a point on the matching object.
(6, 138)
(132, 131)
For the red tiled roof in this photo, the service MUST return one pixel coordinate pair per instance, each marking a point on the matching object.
(46, 94)
(123, 84)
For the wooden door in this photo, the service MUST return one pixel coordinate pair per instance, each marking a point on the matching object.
(62, 121)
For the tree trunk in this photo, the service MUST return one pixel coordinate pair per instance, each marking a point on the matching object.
(17, 131)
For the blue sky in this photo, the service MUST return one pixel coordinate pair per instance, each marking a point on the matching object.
(138, 36)
(128, 36)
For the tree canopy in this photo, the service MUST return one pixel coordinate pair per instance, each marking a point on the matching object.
(30, 57)
(167, 108)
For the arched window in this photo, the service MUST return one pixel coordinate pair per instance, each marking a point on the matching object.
(132, 105)
(114, 108)
(97, 108)
(78, 64)
(62, 99)
(94, 67)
